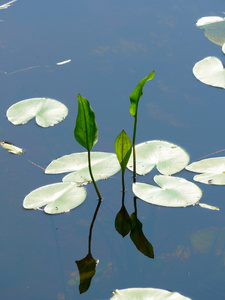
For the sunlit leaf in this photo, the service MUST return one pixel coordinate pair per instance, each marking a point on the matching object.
(58, 197)
(47, 112)
(210, 71)
(146, 294)
(123, 149)
(103, 164)
(6, 5)
(173, 192)
(213, 170)
(123, 222)
(11, 148)
(137, 93)
(63, 62)
(168, 158)
(86, 130)
(87, 268)
(214, 29)
(138, 238)
(208, 206)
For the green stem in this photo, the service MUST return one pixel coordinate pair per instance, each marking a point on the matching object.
(123, 182)
(92, 177)
(134, 151)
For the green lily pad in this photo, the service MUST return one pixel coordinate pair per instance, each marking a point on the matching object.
(47, 112)
(173, 192)
(168, 158)
(213, 170)
(210, 71)
(146, 294)
(214, 28)
(103, 165)
(58, 197)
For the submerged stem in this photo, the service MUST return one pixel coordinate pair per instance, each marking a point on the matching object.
(92, 177)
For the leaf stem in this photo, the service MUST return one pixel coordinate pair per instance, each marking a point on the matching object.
(92, 177)
(134, 151)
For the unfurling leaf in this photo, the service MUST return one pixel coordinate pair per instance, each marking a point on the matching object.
(138, 238)
(137, 93)
(86, 131)
(123, 149)
(87, 268)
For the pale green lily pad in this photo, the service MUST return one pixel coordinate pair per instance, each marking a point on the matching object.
(173, 192)
(214, 28)
(12, 148)
(47, 112)
(58, 197)
(103, 165)
(210, 71)
(146, 294)
(213, 170)
(168, 158)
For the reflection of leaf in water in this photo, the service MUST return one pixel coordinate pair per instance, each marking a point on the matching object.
(123, 222)
(209, 241)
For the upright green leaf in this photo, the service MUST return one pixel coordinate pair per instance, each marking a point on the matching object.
(123, 149)
(137, 93)
(86, 130)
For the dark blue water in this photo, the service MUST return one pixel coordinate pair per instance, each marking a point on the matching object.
(112, 46)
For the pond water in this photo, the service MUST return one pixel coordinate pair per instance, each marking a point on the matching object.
(112, 46)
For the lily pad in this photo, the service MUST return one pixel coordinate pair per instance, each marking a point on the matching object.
(58, 197)
(210, 71)
(147, 294)
(173, 192)
(213, 170)
(47, 112)
(168, 158)
(103, 165)
(214, 28)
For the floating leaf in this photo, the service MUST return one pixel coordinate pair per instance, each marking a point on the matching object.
(63, 62)
(103, 164)
(168, 158)
(8, 4)
(173, 192)
(11, 148)
(208, 206)
(138, 238)
(58, 197)
(146, 294)
(86, 130)
(137, 93)
(214, 29)
(87, 268)
(123, 222)
(210, 71)
(47, 112)
(213, 170)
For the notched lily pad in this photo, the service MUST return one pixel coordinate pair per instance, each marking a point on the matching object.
(168, 158)
(146, 294)
(47, 112)
(212, 169)
(103, 165)
(58, 198)
(210, 71)
(173, 192)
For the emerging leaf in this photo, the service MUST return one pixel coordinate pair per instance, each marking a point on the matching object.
(87, 269)
(137, 93)
(139, 239)
(47, 112)
(146, 294)
(11, 148)
(86, 131)
(123, 149)
(173, 192)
